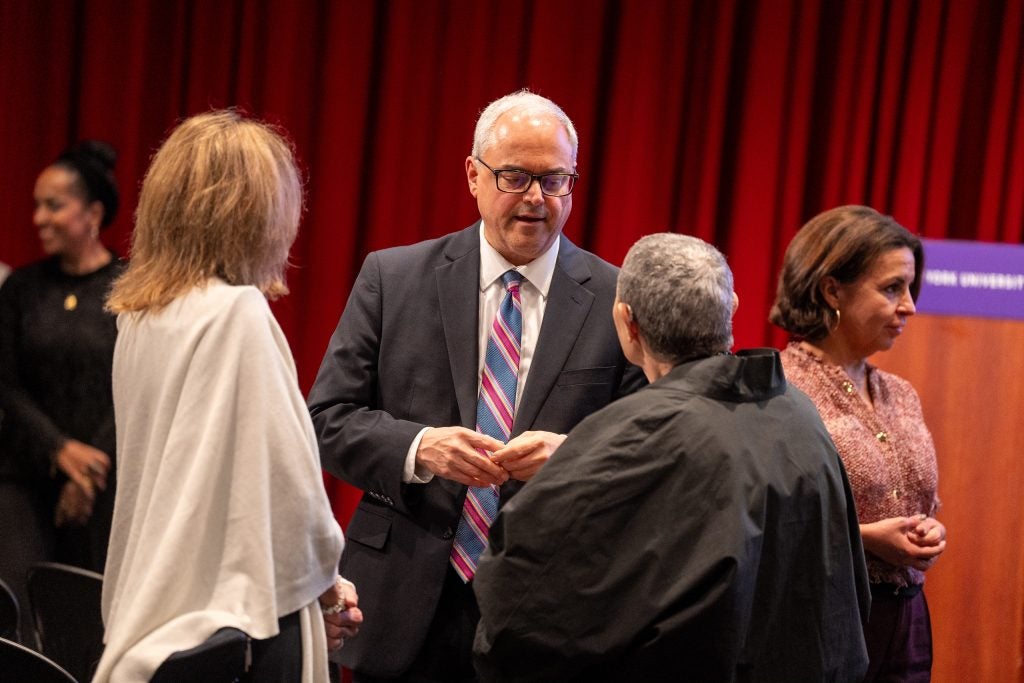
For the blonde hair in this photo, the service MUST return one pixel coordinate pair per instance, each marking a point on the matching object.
(222, 198)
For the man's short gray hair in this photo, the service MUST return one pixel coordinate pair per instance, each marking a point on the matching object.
(521, 101)
(681, 292)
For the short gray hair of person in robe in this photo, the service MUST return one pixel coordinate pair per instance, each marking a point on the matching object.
(680, 291)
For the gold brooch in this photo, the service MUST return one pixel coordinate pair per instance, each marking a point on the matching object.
(70, 302)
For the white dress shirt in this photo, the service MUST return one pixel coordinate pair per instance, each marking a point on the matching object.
(533, 293)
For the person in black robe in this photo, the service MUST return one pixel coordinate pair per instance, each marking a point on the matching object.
(701, 529)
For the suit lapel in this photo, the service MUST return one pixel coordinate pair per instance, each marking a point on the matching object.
(458, 288)
(568, 304)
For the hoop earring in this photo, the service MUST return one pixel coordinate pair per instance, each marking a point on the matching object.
(839, 319)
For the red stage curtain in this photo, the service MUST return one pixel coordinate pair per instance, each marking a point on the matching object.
(735, 120)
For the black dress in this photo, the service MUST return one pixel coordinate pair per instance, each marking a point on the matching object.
(56, 351)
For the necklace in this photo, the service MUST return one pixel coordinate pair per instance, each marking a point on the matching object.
(70, 302)
(855, 377)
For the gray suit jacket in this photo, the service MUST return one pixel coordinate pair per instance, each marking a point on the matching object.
(404, 356)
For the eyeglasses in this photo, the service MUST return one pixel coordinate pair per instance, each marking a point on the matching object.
(514, 181)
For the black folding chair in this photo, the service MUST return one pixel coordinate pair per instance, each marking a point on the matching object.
(218, 659)
(19, 663)
(65, 605)
(10, 615)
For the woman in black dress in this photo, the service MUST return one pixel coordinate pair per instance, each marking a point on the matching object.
(56, 349)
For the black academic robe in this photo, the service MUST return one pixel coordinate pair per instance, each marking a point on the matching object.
(701, 529)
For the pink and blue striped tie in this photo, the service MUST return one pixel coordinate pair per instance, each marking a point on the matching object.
(494, 412)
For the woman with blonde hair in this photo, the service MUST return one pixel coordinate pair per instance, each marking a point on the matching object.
(220, 519)
(847, 288)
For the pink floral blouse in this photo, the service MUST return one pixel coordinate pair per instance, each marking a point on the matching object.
(888, 452)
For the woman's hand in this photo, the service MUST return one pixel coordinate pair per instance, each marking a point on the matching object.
(74, 507)
(930, 532)
(84, 465)
(905, 541)
(342, 616)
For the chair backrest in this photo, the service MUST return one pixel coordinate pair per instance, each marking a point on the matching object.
(18, 663)
(218, 659)
(10, 615)
(65, 605)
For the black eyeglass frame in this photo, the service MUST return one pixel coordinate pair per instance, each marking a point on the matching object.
(538, 177)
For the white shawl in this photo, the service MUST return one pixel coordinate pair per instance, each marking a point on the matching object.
(220, 518)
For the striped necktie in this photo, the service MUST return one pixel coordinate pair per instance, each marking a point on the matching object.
(494, 412)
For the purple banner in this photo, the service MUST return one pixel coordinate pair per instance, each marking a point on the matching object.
(977, 279)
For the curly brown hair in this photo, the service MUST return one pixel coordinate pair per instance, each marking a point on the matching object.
(843, 243)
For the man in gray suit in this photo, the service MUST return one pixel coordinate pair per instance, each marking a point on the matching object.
(395, 403)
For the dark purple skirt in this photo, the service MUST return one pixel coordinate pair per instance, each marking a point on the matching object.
(899, 637)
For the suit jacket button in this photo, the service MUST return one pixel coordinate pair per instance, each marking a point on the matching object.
(448, 533)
